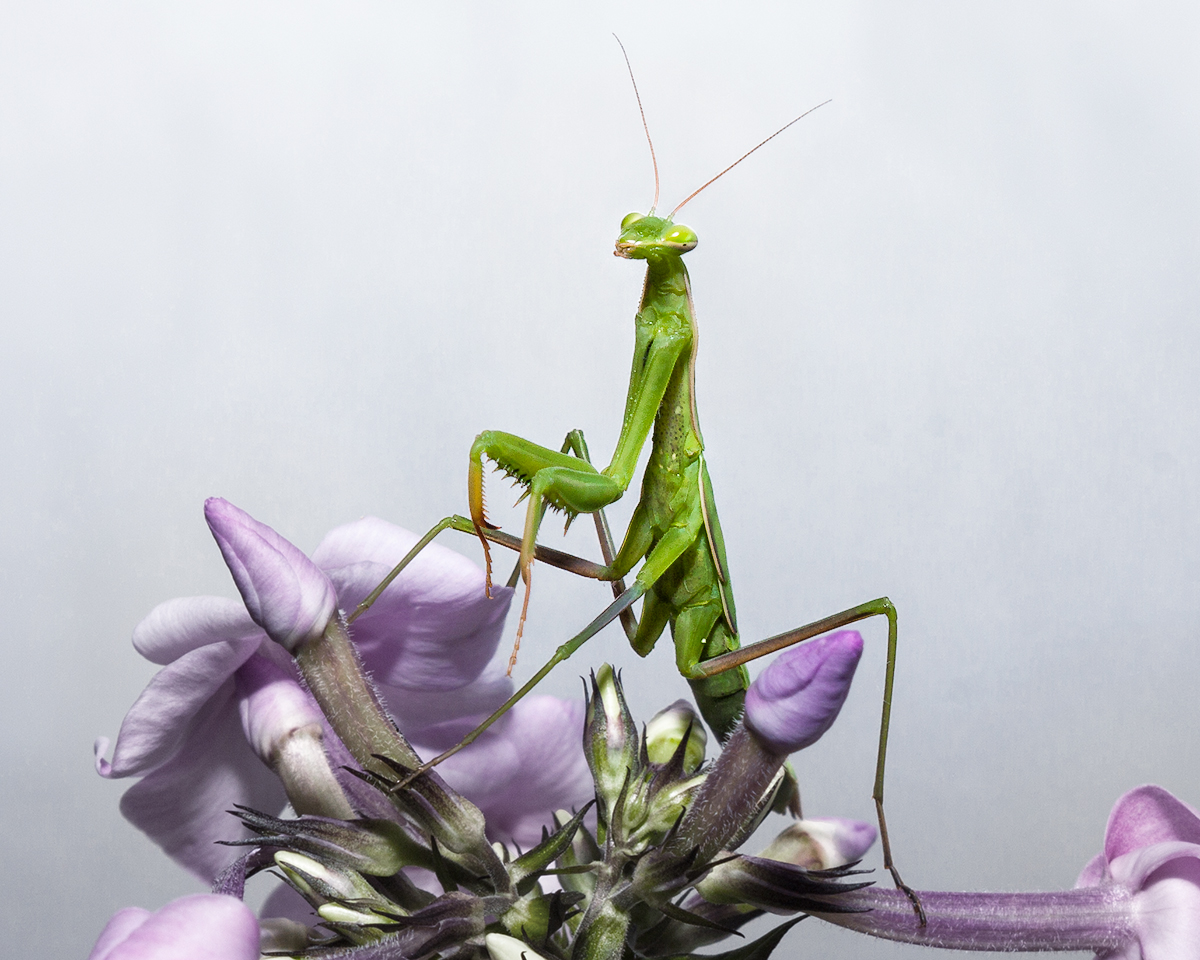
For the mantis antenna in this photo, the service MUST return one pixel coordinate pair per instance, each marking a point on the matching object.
(646, 127)
(671, 215)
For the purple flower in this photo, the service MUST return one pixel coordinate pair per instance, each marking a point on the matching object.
(184, 735)
(201, 927)
(1152, 852)
(283, 590)
(1138, 900)
(797, 698)
(228, 707)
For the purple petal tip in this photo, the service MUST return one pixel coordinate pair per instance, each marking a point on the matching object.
(285, 593)
(797, 698)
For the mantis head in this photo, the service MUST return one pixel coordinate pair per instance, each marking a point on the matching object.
(647, 237)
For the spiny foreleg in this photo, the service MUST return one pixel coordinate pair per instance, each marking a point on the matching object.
(553, 479)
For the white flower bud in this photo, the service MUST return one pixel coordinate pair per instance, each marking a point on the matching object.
(500, 946)
(667, 729)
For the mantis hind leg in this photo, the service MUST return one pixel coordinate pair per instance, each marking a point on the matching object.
(882, 607)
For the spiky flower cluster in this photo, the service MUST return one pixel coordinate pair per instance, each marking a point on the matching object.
(589, 889)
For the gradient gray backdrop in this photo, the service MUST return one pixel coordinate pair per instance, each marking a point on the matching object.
(299, 254)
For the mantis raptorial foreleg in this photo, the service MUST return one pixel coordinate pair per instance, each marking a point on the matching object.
(555, 478)
(574, 443)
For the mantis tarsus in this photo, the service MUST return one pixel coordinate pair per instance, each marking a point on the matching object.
(684, 580)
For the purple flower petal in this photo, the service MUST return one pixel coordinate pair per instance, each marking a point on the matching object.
(1094, 873)
(286, 730)
(272, 704)
(1147, 815)
(521, 770)
(433, 628)
(797, 698)
(201, 927)
(185, 624)
(117, 931)
(1167, 885)
(430, 715)
(853, 838)
(182, 805)
(283, 590)
(1151, 850)
(165, 714)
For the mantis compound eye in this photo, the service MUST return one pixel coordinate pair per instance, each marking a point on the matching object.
(681, 236)
(630, 218)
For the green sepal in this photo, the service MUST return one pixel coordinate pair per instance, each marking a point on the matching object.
(443, 869)
(579, 858)
(760, 949)
(535, 919)
(375, 847)
(524, 871)
(779, 887)
(602, 934)
(449, 818)
(680, 915)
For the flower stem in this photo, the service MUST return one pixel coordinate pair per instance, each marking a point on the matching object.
(331, 668)
(1091, 918)
(730, 798)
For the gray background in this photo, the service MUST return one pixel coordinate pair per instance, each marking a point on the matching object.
(298, 254)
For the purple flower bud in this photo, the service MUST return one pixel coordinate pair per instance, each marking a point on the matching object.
(797, 698)
(285, 592)
(822, 843)
(201, 927)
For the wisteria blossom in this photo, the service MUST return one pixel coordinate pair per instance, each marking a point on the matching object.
(227, 722)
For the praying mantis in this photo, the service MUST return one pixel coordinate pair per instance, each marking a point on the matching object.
(675, 533)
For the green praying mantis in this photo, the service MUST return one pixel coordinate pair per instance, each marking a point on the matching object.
(674, 532)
